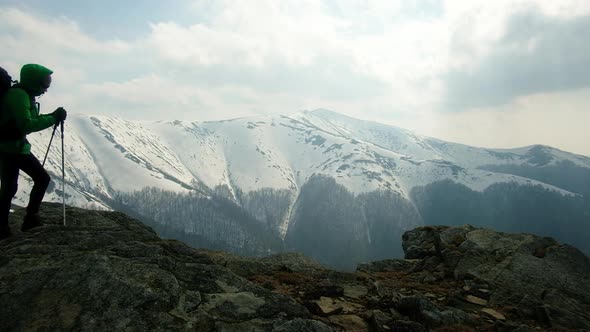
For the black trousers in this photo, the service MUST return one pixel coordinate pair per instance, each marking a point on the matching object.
(10, 165)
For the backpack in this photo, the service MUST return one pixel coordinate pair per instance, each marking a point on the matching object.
(7, 131)
(5, 82)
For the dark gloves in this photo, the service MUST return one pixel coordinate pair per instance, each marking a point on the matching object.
(59, 114)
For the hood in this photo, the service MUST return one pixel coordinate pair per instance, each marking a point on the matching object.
(31, 76)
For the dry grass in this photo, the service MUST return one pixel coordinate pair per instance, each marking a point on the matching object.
(292, 278)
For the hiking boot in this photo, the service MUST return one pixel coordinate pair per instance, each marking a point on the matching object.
(31, 221)
(5, 232)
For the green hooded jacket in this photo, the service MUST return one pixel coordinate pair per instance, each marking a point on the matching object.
(19, 111)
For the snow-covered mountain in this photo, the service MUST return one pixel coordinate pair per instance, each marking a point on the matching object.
(109, 160)
(281, 152)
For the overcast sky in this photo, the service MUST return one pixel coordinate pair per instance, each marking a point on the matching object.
(485, 73)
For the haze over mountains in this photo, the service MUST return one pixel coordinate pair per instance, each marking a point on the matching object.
(336, 188)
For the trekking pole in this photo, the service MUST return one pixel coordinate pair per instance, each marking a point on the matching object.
(63, 173)
(52, 134)
(49, 146)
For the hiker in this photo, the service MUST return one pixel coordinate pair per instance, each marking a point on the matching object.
(20, 116)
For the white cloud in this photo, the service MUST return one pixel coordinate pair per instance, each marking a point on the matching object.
(382, 60)
(565, 8)
(535, 53)
(304, 36)
(42, 35)
(558, 119)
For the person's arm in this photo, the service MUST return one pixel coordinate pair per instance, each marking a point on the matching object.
(19, 103)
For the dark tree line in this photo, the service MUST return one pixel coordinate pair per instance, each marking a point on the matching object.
(213, 222)
(564, 174)
(508, 207)
(341, 229)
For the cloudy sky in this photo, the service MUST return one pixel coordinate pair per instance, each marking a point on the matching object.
(485, 73)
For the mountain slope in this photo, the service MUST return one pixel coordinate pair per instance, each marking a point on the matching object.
(388, 178)
(277, 152)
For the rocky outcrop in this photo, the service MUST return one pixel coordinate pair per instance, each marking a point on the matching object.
(105, 271)
(527, 276)
(452, 279)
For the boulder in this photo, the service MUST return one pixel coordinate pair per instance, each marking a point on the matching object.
(521, 270)
(421, 309)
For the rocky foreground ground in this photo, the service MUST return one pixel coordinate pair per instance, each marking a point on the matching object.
(106, 271)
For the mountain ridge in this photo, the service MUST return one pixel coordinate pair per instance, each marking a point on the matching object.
(185, 172)
(387, 180)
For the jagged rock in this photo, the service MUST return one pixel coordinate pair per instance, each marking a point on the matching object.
(287, 262)
(355, 291)
(298, 325)
(251, 325)
(476, 300)
(295, 325)
(236, 306)
(422, 309)
(408, 326)
(388, 265)
(105, 271)
(558, 317)
(325, 306)
(526, 306)
(383, 291)
(350, 323)
(385, 296)
(422, 242)
(329, 290)
(396, 315)
(521, 270)
(500, 326)
(493, 313)
(426, 277)
(380, 321)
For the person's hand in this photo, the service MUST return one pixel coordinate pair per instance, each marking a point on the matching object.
(60, 114)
